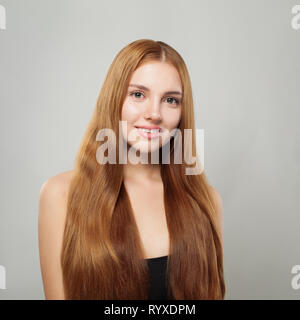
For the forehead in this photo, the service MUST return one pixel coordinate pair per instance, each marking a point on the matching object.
(156, 75)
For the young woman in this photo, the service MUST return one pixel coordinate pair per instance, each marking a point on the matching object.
(134, 230)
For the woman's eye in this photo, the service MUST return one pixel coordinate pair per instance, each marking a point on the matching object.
(173, 99)
(136, 94)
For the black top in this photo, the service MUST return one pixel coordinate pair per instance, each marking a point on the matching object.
(157, 269)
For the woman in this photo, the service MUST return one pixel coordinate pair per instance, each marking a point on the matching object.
(134, 230)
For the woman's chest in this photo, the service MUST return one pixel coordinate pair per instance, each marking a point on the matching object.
(149, 213)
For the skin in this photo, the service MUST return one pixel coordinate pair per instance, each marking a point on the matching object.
(151, 107)
(143, 182)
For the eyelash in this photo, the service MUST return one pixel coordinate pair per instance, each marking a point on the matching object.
(176, 100)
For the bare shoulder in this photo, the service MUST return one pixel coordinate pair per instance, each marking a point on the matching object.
(51, 222)
(217, 198)
(218, 204)
(56, 186)
(53, 198)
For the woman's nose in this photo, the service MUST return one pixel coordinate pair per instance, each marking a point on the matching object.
(153, 111)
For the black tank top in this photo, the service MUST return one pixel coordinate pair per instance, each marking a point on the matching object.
(157, 269)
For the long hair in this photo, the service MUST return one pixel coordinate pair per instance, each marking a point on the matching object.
(102, 255)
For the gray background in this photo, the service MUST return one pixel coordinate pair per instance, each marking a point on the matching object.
(243, 59)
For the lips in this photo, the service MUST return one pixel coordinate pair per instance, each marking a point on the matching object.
(149, 134)
(149, 127)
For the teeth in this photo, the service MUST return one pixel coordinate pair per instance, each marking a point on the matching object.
(150, 131)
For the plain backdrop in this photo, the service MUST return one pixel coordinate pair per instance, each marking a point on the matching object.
(243, 59)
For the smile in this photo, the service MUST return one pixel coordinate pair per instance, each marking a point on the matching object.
(149, 133)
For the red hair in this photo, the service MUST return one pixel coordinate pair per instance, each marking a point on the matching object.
(102, 255)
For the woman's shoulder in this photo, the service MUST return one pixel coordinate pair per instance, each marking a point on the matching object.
(58, 184)
(216, 197)
(54, 191)
(51, 223)
(218, 205)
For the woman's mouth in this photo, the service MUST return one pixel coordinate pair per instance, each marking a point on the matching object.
(149, 133)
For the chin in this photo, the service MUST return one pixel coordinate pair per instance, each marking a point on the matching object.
(144, 147)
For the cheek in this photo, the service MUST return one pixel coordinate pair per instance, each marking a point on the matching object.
(129, 112)
(172, 119)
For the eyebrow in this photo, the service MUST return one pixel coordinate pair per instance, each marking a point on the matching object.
(147, 89)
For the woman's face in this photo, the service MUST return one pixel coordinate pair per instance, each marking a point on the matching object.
(153, 100)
